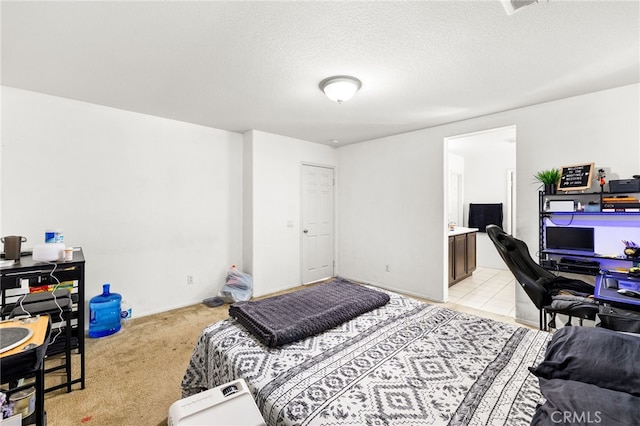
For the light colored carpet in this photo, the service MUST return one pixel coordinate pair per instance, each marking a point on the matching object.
(133, 376)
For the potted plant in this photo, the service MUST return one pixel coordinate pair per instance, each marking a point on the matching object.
(548, 178)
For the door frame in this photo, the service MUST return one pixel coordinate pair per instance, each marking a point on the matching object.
(511, 187)
(335, 209)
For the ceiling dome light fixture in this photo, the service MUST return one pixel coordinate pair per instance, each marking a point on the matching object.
(340, 88)
(512, 6)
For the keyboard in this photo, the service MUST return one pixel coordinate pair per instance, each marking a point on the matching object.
(579, 262)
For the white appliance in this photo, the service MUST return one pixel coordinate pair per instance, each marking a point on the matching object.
(562, 206)
(230, 404)
(48, 252)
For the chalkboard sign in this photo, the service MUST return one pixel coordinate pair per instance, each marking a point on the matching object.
(576, 177)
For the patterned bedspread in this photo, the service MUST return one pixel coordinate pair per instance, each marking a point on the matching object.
(407, 363)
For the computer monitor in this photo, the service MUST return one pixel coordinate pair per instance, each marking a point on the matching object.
(569, 238)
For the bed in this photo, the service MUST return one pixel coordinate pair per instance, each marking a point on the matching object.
(407, 362)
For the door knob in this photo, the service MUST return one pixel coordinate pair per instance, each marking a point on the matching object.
(305, 231)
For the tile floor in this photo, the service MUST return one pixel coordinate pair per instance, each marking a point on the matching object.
(491, 290)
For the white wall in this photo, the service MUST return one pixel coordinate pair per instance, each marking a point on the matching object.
(1, 149)
(486, 184)
(276, 163)
(391, 213)
(392, 189)
(150, 200)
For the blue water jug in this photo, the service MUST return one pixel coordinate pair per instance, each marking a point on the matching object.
(104, 313)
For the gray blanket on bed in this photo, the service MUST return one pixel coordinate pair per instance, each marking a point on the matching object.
(283, 319)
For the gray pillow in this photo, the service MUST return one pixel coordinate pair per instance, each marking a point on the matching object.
(576, 403)
(604, 358)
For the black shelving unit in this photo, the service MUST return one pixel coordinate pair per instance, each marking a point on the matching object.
(587, 207)
(15, 279)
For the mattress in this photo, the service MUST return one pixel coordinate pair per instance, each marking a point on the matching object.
(407, 362)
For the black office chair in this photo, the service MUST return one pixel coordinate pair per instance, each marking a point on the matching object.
(550, 293)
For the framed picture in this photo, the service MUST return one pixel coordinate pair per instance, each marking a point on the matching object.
(577, 177)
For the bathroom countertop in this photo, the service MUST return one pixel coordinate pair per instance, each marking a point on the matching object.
(459, 230)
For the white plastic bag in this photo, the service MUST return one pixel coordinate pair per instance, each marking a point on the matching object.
(238, 288)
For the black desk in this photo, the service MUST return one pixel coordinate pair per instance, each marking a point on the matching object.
(39, 274)
(609, 283)
(618, 311)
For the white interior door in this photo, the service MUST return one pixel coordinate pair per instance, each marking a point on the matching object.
(455, 213)
(317, 223)
(510, 216)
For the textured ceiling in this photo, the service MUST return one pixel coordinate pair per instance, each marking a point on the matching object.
(256, 65)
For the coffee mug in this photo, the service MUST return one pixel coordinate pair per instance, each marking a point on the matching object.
(12, 245)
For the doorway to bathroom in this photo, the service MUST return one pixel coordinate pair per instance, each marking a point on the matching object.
(482, 170)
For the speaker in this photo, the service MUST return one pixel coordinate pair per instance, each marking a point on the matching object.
(624, 185)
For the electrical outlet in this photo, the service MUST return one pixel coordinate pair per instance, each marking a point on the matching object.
(190, 279)
(386, 268)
